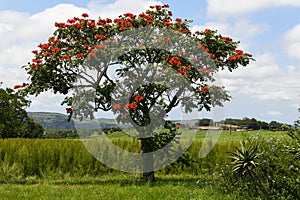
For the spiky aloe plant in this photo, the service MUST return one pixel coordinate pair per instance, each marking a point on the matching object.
(244, 159)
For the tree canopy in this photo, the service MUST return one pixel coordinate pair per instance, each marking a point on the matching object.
(138, 66)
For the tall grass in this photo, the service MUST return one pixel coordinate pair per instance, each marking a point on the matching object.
(59, 158)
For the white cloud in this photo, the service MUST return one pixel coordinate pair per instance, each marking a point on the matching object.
(292, 42)
(118, 7)
(265, 80)
(236, 29)
(223, 9)
(274, 113)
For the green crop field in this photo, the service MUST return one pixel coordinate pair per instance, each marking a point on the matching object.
(64, 169)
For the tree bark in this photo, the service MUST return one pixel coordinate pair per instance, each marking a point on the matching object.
(148, 160)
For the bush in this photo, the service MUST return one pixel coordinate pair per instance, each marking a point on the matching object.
(272, 172)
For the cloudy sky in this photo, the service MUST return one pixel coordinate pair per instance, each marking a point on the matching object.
(268, 89)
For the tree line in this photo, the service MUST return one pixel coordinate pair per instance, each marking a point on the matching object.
(246, 123)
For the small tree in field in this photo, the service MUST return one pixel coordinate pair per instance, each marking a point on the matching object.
(143, 51)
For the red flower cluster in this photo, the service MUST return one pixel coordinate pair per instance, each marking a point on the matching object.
(234, 58)
(207, 31)
(100, 37)
(66, 57)
(182, 72)
(56, 50)
(20, 86)
(178, 20)
(44, 46)
(174, 60)
(46, 54)
(80, 55)
(69, 110)
(204, 70)
(116, 106)
(240, 52)
(203, 89)
(130, 15)
(92, 24)
(85, 15)
(130, 106)
(37, 60)
(247, 54)
(35, 52)
(228, 39)
(138, 98)
(213, 56)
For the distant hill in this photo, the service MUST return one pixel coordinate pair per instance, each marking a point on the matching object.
(54, 121)
(57, 121)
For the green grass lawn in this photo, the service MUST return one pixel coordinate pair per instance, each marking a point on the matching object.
(115, 187)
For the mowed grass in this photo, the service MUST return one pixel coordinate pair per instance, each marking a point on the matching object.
(63, 169)
(115, 187)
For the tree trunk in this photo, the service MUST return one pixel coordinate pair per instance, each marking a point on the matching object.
(148, 161)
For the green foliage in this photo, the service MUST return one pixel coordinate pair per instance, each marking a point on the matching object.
(244, 160)
(274, 172)
(14, 121)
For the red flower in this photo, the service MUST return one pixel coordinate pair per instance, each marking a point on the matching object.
(178, 20)
(37, 60)
(228, 39)
(213, 56)
(158, 7)
(203, 89)
(122, 28)
(240, 52)
(138, 98)
(168, 23)
(130, 106)
(116, 106)
(166, 5)
(56, 50)
(174, 61)
(66, 57)
(80, 55)
(100, 37)
(205, 70)
(170, 13)
(130, 15)
(35, 52)
(249, 55)
(207, 31)
(46, 54)
(182, 53)
(69, 110)
(85, 15)
(180, 71)
(34, 66)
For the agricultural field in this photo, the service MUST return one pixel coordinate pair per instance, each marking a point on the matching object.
(64, 169)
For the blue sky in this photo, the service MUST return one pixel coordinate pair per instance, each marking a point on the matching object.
(268, 89)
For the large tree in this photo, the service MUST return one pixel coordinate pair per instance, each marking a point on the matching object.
(138, 66)
(14, 121)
